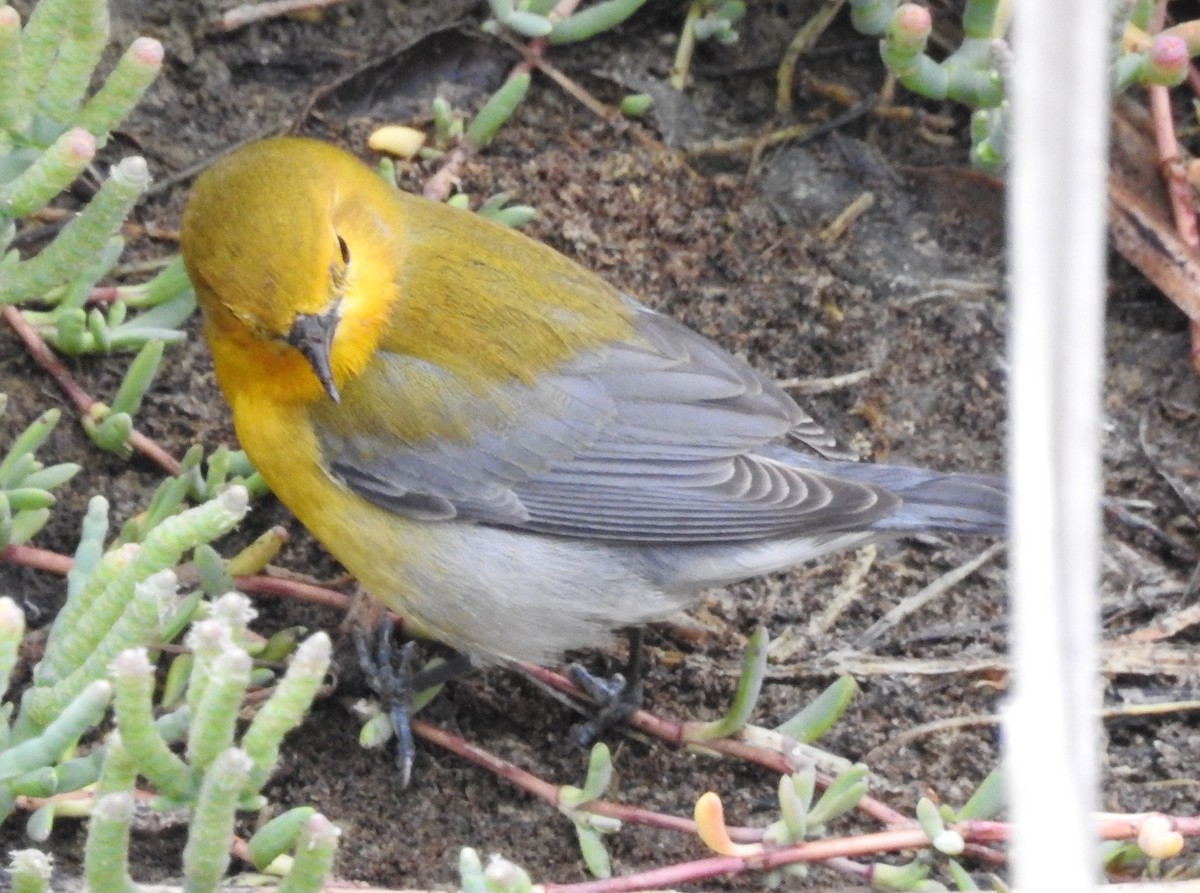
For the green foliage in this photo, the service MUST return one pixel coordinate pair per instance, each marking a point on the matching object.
(531, 19)
(26, 484)
(636, 105)
(497, 209)
(121, 604)
(497, 110)
(975, 74)
(717, 20)
(589, 826)
(117, 600)
(225, 468)
(754, 671)
(817, 717)
(51, 127)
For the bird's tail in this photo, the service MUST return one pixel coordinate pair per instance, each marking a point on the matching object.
(933, 501)
(973, 504)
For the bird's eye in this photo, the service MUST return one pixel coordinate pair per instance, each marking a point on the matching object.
(345, 249)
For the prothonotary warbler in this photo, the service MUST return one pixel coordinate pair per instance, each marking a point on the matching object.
(499, 445)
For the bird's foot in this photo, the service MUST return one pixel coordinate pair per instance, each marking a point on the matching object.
(619, 696)
(392, 675)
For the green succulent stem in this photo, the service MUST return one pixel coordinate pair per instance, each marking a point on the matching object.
(119, 771)
(822, 712)
(11, 107)
(315, 851)
(82, 34)
(49, 174)
(216, 712)
(593, 20)
(133, 75)
(206, 855)
(167, 284)
(841, 796)
(12, 630)
(89, 576)
(871, 17)
(981, 19)
(30, 870)
(986, 802)
(137, 625)
(82, 238)
(277, 836)
(105, 597)
(26, 444)
(106, 854)
(497, 110)
(470, 871)
(133, 683)
(61, 730)
(968, 75)
(749, 686)
(286, 708)
(138, 378)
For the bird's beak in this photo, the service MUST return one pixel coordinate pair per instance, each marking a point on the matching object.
(312, 335)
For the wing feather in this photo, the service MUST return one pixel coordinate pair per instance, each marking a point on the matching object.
(666, 439)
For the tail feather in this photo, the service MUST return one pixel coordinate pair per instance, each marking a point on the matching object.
(974, 504)
(932, 501)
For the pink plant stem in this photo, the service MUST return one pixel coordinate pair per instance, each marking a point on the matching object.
(549, 793)
(38, 559)
(676, 733)
(1179, 192)
(84, 402)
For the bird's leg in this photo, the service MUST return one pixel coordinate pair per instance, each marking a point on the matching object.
(392, 677)
(619, 695)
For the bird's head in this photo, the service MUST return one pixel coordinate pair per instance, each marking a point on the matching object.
(263, 245)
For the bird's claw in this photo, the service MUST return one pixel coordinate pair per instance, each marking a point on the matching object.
(391, 677)
(618, 698)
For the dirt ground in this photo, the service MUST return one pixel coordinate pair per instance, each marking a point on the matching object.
(910, 296)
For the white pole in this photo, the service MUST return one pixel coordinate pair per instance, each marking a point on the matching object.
(1056, 231)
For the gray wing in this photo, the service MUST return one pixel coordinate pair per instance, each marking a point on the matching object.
(655, 441)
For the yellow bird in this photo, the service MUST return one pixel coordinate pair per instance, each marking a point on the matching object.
(499, 445)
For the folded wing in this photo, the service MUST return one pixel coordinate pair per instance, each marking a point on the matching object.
(664, 439)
